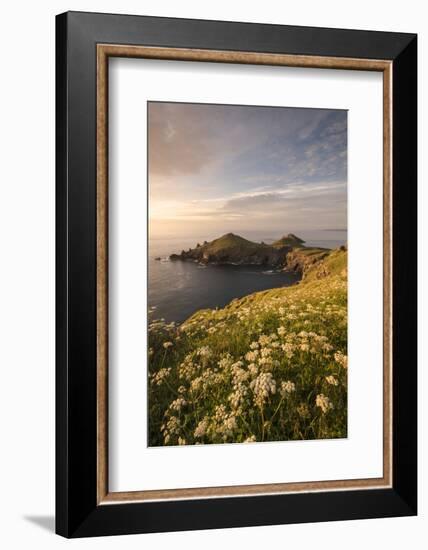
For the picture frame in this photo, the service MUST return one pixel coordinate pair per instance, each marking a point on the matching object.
(84, 44)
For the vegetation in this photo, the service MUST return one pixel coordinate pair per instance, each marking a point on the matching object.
(231, 242)
(288, 240)
(268, 367)
(233, 249)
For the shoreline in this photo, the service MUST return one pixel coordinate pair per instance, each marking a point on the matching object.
(284, 272)
(235, 253)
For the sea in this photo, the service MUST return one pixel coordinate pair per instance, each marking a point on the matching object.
(178, 289)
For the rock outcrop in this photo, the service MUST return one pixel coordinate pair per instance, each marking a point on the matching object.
(287, 253)
(235, 250)
(302, 259)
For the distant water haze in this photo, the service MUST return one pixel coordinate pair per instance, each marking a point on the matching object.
(177, 289)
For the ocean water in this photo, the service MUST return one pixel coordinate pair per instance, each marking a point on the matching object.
(177, 289)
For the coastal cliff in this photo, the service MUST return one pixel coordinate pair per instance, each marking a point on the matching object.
(235, 250)
(287, 253)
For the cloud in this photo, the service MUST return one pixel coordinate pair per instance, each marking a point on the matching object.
(319, 199)
(216, 162)
(178, 140)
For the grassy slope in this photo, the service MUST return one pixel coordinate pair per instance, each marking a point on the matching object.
(230, 242)
(270, 366)
(335, 263)
(288, 240)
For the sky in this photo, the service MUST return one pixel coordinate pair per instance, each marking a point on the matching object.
(215, 169)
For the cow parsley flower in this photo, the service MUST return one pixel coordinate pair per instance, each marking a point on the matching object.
(287, 388)
(342, 359)
(263, 386)
(332, 380)
(303, 410)
(201, 428)
(204, 351)
(178, 404)
(252, 355)
(324, 403)
(253, 369)
(264, 340)
(159, 377)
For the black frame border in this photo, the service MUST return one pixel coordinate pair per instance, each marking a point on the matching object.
(77, 512)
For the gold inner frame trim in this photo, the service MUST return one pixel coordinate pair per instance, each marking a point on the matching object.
(104, 51)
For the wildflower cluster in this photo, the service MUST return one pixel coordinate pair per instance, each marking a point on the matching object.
(269, 367)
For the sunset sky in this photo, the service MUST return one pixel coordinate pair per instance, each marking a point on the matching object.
(215, 169)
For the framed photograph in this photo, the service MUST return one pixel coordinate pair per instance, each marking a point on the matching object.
(236, 274)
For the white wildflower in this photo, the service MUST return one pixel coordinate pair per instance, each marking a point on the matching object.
(159, 377)
(263, 386)
(178, 404)
(201, 428)
(342, 359)
(287, 388)
(253, 369)
(288, 349)
(225, 362)
(204, 353)
(332, 380)
(240, 375)
(225, 423)
(324, 403)
(265, 352)
(252, 355)
(303, 410)
(264, 340)
(172, 427)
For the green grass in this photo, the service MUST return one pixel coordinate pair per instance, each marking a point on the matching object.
(271, 366)
(310, 251)
(232, 243)
(335, 263)
(288, 240)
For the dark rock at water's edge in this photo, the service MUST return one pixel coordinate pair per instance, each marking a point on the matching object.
(287, 253)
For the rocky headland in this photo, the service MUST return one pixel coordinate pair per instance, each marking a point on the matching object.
(287, 253)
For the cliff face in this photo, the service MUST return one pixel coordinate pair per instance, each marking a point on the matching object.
(303, 259)
(288, 253)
